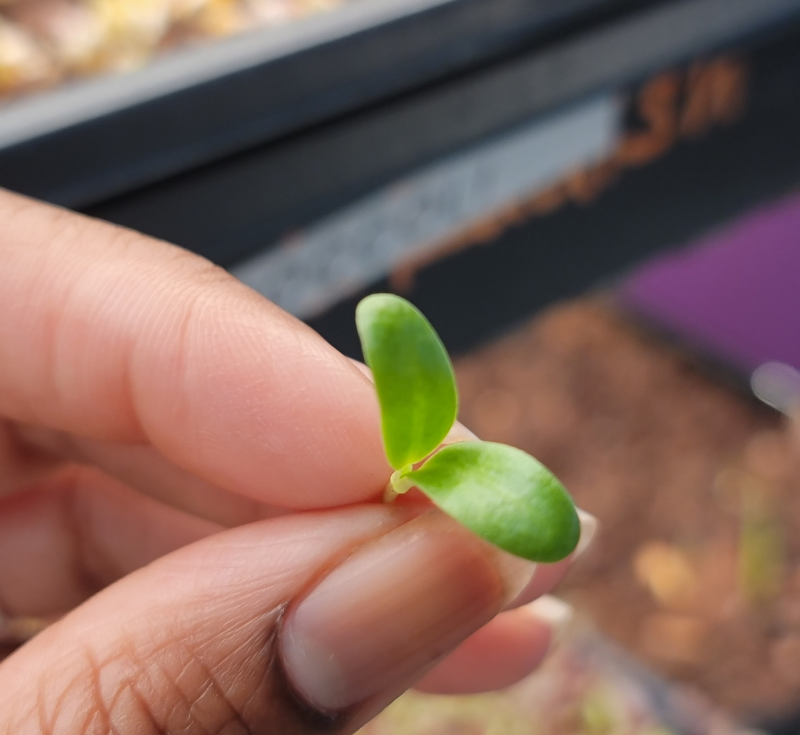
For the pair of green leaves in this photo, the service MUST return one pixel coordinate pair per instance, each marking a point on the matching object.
(501, 493)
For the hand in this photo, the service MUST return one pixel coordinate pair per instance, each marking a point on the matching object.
(190, 477)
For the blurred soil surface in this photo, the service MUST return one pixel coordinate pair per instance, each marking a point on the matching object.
(696, 568)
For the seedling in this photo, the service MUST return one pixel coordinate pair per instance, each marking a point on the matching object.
(500, 493)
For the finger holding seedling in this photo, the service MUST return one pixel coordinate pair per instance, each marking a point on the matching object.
(203, 520)
(500, 493)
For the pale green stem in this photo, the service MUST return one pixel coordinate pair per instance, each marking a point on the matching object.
(397, 485)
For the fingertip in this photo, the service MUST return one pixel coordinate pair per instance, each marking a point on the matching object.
(589, 527)
(553, 612)
(500, 654)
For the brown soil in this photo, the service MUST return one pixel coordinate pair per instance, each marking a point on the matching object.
(695, 568)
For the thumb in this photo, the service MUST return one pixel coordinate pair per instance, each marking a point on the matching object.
(298, 625)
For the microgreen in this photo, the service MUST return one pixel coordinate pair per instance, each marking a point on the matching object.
(500, 493)
(413, 377)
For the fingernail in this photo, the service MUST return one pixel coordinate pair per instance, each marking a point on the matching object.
(363, 369)
(588, 530)
(390, 611)
(460, 433)
(556, 613)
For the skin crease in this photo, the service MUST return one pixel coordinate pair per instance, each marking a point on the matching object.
(181, 465)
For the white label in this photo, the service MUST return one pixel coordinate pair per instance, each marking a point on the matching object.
(349, 250)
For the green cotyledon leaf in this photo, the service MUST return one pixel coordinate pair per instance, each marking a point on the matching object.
(504, 496)
(413, 377)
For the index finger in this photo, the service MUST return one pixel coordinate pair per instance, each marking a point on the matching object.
(111, 335)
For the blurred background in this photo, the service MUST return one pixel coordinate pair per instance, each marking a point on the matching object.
(595, 202)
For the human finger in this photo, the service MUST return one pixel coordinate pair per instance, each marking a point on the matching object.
(504, 651)
(80, 530)
(513, 644)
(303, 624)
(145, 469)
(67, 538)
(110, 335)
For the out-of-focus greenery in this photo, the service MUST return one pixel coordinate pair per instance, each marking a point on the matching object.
(419, 714)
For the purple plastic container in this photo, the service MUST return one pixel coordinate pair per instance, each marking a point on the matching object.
(735, 295)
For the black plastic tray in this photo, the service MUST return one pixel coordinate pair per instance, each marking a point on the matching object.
(239, 204)
(227, 150)
(87, 141)
(473, 293)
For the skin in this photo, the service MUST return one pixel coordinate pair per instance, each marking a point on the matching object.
(182, 466)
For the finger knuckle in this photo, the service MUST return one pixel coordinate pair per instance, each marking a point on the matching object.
(174, 690)
(191, 684)
(177, 688)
